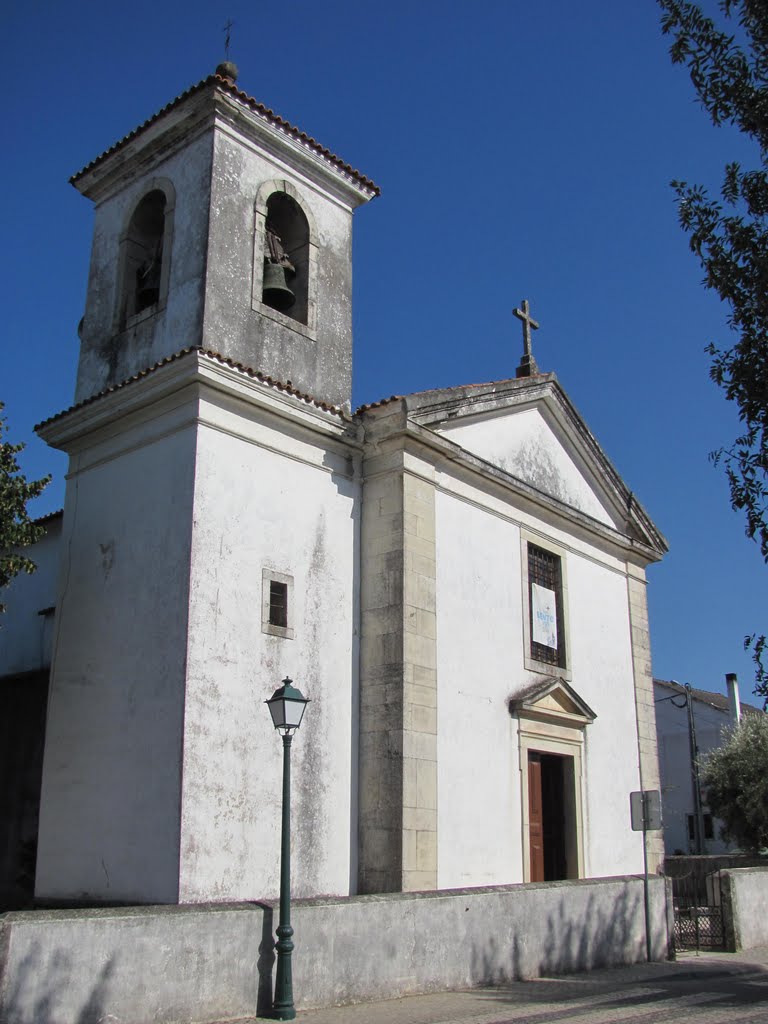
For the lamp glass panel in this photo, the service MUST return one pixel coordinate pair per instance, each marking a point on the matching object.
(294, 711)
(277, 710)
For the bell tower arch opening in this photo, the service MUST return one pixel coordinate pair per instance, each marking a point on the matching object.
(285, 258)
(144, 258)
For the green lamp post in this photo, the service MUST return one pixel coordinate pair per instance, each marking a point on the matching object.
(286, 705)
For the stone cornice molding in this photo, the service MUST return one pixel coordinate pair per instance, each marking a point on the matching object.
(248, 126)
(201, 112)
(178, 127)
(406, 435)
(419, 416)
(195, 376)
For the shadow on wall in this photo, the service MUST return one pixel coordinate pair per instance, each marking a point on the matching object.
(20, 1006)
(265, 963)
(605, 935)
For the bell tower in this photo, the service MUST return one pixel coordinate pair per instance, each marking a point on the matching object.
(211, 510)
(222, 227)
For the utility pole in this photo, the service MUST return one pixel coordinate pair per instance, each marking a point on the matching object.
(698, 816)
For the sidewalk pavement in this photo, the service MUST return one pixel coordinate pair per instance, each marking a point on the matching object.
(706, 988)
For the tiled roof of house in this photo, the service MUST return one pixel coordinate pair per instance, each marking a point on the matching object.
(715, 700)
(227, 85)
(48, 517)
(286, 386)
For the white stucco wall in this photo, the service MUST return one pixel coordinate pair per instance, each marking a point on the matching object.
(267, 497)
(25, 635)
(479, 608)
(480, 666)
(112, 769)
(162, 775)
(603, 675)
(526, 445)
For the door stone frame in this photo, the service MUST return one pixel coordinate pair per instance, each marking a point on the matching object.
(552, 719)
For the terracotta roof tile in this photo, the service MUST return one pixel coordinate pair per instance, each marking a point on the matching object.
(377, 405)
(715, 700)
(48, 517)
(285, 386)
(228, 86)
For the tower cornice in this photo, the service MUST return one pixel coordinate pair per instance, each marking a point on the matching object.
(196, 110)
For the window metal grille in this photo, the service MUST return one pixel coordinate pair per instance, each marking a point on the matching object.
(544, 569)
(278, 604)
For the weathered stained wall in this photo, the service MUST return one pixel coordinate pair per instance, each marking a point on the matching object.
(269, 495)
(108, 355)
(111, 776)
(214, 174)
(168, 964)
(320, 364)
(745, 907)
(527, 446)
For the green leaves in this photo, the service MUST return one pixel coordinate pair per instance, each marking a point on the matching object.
(729, 235)
(735, 778)
(17, 531)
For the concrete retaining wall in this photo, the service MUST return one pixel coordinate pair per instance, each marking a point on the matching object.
(744, 899)
(203, 963)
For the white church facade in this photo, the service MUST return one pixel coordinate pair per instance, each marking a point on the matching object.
(455, 578)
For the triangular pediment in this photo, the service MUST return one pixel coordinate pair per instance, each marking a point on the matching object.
(554, 700)
(528, 429)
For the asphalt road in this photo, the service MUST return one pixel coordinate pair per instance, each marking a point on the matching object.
(710, 989)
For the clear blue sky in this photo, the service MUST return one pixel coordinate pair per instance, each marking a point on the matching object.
(523, 150)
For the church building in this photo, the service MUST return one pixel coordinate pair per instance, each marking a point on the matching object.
(455, 578)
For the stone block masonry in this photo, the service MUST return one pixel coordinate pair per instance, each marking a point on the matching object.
(398, 692)
(645, 707)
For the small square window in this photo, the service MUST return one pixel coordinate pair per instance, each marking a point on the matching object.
(277, 604)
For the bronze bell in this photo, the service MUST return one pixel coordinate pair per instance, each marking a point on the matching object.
(276, 292)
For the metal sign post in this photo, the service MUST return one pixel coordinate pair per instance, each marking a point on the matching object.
(645, 811)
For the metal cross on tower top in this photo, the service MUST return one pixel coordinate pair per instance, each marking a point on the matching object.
(527, 365)
(228, 37)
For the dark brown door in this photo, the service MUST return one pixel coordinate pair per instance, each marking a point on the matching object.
(535, 818)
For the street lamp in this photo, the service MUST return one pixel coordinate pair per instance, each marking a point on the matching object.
(286, 705)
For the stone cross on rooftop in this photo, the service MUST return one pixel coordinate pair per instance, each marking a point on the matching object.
(527, 367)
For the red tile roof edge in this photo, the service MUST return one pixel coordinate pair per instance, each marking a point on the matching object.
(48, 517)
(243, 97)
(263, 378)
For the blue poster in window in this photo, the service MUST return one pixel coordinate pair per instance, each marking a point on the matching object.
(544, 615)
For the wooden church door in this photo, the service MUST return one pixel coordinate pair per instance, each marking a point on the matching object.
(535, 818)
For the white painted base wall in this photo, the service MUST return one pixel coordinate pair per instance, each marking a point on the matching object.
(210, 963)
